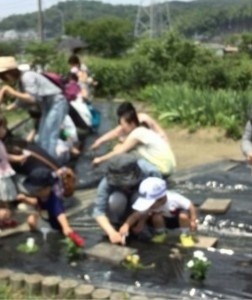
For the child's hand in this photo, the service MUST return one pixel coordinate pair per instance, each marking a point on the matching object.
(78, 241)
(124, 230)
(21, 197)
(193, 225)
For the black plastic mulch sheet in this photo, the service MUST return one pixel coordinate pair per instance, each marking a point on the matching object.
(229, 275)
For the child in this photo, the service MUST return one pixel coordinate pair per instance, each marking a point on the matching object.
(39, 184)
(165, 209)
(8, 191)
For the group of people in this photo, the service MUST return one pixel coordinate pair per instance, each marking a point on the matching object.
(132, 199)
(138, 164)
(54, 134)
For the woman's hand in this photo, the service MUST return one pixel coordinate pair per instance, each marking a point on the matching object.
(115, 237)
(96, 161)
(95, 145)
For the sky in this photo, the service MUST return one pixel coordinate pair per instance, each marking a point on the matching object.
(9, 7)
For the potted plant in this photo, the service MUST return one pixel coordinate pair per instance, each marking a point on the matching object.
(198, 266)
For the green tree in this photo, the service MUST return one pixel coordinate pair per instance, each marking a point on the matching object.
(109, 37)
(41, 53)
(10, 48)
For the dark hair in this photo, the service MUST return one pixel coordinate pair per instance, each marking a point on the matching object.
(124, 108)
(130, 117)
(74, 60)
(73, 76)
(3, 121)
(15, 74)
(128, 112)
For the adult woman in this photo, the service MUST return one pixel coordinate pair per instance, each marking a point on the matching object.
(33, 88)
(118, 133)
(147, 143)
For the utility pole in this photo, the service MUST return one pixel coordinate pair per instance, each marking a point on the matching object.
(40, 22)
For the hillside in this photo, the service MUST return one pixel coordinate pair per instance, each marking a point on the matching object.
(201, 17)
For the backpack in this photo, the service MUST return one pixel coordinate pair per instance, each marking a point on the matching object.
(70, 88)
(96, 116)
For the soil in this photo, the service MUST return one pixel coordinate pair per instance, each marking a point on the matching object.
(204, 146)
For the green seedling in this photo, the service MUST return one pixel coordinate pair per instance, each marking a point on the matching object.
(70, 249)
(132, 262)
(24, 248)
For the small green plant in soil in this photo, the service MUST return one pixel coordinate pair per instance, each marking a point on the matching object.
(24, 248)
(198, 266)
(132, 262)
(70, 248)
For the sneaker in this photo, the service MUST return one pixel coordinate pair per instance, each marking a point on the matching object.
(159, 238)
(186, 240)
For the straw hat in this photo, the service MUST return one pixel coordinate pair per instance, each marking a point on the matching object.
(7, 63)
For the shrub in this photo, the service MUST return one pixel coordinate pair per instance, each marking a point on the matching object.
(117, 76)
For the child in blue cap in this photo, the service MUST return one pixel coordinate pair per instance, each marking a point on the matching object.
(39, 185)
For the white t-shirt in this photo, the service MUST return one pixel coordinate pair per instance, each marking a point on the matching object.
(154, 149)
(174, 203)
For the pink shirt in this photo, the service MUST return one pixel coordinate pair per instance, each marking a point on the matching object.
(5, 167)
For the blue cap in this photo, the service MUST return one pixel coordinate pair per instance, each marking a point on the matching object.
(39, 178)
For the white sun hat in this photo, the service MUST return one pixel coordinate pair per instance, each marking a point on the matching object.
(7, 63)
(150, 190)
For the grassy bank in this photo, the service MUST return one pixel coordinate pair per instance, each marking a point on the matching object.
(195, 108)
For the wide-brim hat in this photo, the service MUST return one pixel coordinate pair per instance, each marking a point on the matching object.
(7, 63)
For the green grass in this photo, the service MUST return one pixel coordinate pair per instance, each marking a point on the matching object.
(195, 108)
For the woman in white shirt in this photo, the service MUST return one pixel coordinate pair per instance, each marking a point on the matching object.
(146, 143)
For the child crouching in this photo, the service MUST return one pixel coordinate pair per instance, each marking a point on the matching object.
(39, 184)
(163, 209)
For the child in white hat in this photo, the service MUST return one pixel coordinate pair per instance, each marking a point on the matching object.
(165, 210)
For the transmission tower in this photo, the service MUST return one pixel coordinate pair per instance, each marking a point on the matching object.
(153, 18)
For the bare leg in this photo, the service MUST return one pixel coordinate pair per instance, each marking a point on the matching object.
(184, 221)
(158, 222)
